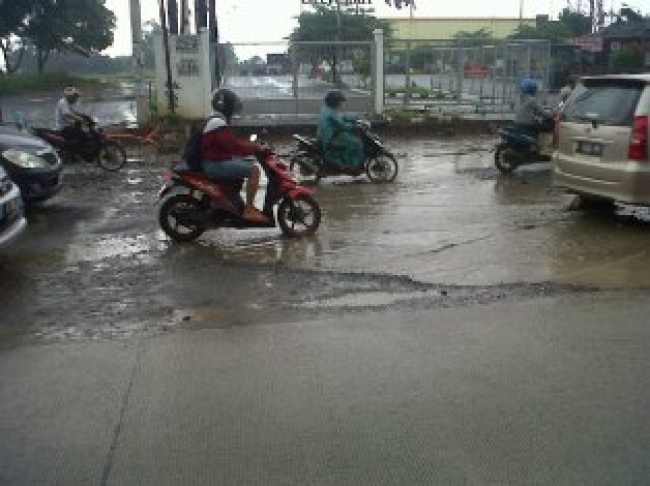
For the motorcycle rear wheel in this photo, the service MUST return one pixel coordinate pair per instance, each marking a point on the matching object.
(504, 160)
(176, 218)
(111, 156)
(299, 217)
(382, 168)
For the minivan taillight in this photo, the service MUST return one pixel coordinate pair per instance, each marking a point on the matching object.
(638, 150)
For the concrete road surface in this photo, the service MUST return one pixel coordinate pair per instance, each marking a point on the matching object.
(548, 391)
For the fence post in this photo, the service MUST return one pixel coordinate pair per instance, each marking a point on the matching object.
(460, 54)
(378, 84)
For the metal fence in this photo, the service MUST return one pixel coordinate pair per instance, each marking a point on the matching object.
(443, 75)
(278, 82)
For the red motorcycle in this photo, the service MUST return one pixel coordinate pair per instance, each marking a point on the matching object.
(93, 146)
(210, 204)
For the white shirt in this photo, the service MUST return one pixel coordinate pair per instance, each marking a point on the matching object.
(63, 108)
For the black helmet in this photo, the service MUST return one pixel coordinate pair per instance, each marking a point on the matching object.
(226, 102)
(334, 98)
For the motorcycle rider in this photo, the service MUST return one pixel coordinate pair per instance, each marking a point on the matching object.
(530, 115)
(68, 117)
(222, 154)
(337, 132)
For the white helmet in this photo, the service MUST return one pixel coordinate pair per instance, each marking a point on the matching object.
(71, 91)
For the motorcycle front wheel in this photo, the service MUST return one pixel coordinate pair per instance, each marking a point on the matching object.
(304, 166)
(505, 160)
(299, 217)
(178, 218)
(112, 156)
(382, 168)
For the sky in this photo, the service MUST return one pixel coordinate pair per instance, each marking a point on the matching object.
(249, 21)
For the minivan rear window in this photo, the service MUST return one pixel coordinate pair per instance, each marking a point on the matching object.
(604, 101)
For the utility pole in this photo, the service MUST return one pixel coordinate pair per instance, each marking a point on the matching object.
(185, 17)
(335, 68)
(136, 33)
(171, 99)
(172, 16)
(200, 14)
(213, 27)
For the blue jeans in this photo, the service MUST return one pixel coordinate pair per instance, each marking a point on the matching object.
(235, 169)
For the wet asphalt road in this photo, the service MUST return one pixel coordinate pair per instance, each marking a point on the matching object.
(449, 232)
(455, 327)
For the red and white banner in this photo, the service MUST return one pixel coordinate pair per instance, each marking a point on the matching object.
(589, 43)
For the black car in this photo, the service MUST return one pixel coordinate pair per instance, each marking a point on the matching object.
(31, 163)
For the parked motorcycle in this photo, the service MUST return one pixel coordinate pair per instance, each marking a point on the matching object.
(205, 204)
(94, 146)
(309, 159)
(519, 147)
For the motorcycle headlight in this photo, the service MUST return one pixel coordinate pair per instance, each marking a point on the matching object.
(24, 159)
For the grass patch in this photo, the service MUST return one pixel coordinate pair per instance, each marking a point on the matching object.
(17, 84)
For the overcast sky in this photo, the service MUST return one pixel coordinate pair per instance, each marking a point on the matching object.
(271, 20)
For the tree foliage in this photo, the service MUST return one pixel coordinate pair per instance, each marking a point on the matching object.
(627, 60)
(13, 15)
(327, 24)
(479, 37)
(82, 26)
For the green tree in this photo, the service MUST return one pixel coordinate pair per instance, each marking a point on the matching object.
(571, 23)
(13, 17)
(628, 60)
(576, 22)
(309, 42)
(82, 26)
(479, 37)
(553, 31)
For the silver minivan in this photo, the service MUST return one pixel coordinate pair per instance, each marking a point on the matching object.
(602, 147)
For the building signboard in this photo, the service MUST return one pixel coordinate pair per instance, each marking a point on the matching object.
(589, 43)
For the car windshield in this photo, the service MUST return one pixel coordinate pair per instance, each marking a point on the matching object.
(610, 102)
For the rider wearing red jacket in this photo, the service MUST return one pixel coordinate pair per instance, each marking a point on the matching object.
(223, 154)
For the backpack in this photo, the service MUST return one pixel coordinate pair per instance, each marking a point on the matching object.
(192, 150)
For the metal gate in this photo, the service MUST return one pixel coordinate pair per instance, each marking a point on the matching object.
(283, 83)
(446, 76)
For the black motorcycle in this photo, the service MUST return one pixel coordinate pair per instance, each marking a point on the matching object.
(92, 145)
(310, 159)
(519, 146)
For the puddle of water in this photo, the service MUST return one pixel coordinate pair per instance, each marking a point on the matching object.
(109, 247)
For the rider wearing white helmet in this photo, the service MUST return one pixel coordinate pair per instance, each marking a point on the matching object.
(69, 119)
(66, 110)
